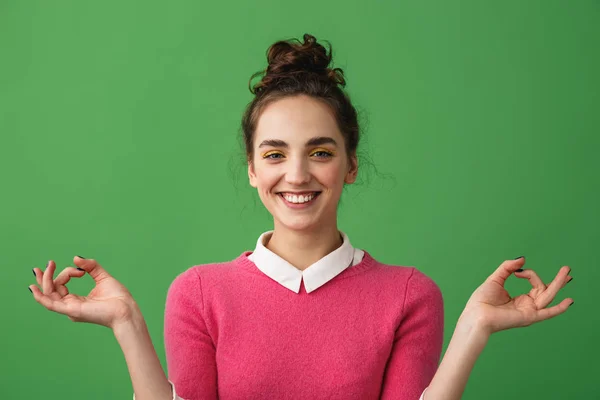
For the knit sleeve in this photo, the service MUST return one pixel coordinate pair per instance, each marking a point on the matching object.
(189, 348)
(418, 340)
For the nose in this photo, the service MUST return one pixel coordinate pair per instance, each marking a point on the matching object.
(297, 173)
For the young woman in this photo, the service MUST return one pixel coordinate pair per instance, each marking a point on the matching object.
(305, 315)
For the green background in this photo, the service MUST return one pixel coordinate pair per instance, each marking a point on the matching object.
(119, 141)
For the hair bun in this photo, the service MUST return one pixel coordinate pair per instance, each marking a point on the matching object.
(290, 59)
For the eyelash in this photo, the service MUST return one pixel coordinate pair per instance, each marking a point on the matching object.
(268, 155)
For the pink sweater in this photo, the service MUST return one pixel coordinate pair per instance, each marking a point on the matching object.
(375, 331)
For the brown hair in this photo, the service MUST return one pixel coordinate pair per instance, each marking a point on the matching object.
(301, 68)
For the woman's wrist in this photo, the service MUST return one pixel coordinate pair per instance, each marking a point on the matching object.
(472, 320)
(472, 332)
(130, 320)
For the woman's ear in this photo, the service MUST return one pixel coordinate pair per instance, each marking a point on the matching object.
(353, 170)
(251, 174)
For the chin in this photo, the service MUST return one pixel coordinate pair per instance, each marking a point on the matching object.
(298, 224)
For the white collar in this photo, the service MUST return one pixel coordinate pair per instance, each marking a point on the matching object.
(315, 276)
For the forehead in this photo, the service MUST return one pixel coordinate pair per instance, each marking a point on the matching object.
(295, 120)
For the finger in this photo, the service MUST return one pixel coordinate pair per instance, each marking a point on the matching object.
(64, 277)
(506, 269)
(61, 290)
(47, 279)
(92, 267)
(547, 313)
(66, 274)
(557, 283)
(38, 275)
(536, 283)
(51, 304)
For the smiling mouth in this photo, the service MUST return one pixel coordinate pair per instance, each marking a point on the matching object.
(299, 199)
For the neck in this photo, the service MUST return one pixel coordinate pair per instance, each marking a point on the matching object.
(304, 248)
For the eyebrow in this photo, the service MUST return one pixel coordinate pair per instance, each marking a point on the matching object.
(315, 141)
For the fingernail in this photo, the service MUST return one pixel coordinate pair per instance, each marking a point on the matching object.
(570, 280)
(519, 257)
(81, 257)
(519, 270)
(81, 269)
(33, 270)
(571, 304)
(30, 289)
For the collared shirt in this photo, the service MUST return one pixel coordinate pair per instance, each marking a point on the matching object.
(315, 276)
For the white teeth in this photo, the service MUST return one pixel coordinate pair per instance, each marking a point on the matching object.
(299, 199)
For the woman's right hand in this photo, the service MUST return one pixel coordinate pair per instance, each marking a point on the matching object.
(107, 304)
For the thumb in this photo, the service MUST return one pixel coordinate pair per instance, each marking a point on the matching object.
(506, 269)
(92, 267)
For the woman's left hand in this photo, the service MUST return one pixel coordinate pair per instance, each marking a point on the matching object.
(493, 310)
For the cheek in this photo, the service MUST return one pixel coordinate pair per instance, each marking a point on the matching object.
(333, 175)
(266, 178)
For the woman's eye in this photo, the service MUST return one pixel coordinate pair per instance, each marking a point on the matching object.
(322, 154)
(271, 156)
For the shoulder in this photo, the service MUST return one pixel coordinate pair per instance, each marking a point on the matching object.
(420, 281)
(410, 275)
(413, 282)
(199, 275)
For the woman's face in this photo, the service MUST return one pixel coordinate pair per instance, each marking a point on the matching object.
(300, 163)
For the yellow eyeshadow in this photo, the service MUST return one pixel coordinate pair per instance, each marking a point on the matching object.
(268, 153)
(323, 150)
